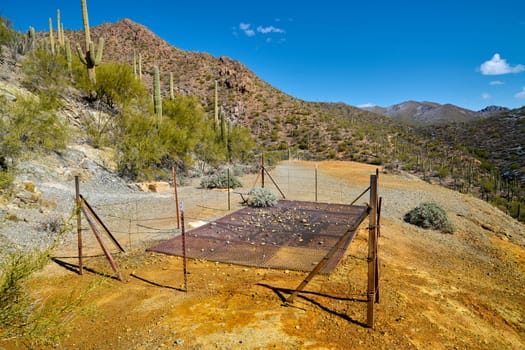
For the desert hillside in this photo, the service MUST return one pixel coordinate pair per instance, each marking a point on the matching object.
(398, 136)
(464, 289)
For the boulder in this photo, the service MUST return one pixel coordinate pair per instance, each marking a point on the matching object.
(154, 186)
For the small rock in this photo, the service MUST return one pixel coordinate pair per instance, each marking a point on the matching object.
(488, 227)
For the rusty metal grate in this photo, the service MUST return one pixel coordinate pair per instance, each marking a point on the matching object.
(292, 235)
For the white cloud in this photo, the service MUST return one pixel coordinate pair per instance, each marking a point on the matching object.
(496, 66)
(496, 82)
(485, 96)
(269, 29)
(521, 94)
(245, 27)
(367, 105)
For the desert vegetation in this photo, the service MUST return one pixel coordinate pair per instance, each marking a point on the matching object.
(429, 215)
(193, 129)
(213, 112)
(122, 114)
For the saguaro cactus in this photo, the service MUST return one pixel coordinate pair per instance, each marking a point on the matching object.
(157, 98)
(172, 94)
(62, 33)
(90, 59)
(69, 58)
(59, 30)
(135, 63)
(216, 119)
(51, 36)
(223, 127)
(140, 66)
(31, 38)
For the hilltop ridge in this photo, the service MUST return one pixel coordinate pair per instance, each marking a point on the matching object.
(432, 113)
(245, 98)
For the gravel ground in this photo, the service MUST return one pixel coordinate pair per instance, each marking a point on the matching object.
(138, 217)
(33, 218)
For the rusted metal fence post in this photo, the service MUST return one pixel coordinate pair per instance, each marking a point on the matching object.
(372, 253)
(87, 209)
(183, 236)
(103, 246)
(275, 183)
(316, 173)
(79, 224)
(176, 195)
(262, 170)
(378, 234)
(229, 199)
(348, 235)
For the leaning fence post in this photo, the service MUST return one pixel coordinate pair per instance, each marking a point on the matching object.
(372, 252)
(176, 195)
(79, 224)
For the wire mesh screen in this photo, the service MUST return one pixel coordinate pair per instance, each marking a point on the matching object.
(292, 235)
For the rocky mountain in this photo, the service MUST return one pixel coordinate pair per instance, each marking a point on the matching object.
(499, 140)
(425, 113)
(278, 120)
(492, 110)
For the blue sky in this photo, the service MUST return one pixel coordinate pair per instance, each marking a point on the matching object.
(465, 52)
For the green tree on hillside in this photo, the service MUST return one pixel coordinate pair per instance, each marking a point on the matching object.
(117, 87)
(47, 76)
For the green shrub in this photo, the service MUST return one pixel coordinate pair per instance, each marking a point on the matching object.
(185, 130)
(30, 125)
(15, 305)
(240, 144)
(6, 178)
(429, 215)
(47, 76)
(147, 144)
(116, 85)
(139, 148)
(220, 181)
(27, 321)
(261, 197)
(34, 323)
(27, 125)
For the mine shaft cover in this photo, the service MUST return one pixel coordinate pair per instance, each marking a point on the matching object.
(293, 235)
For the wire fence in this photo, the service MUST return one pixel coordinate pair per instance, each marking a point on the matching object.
(139, 219)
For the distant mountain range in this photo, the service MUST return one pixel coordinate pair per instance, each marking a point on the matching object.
(427, 113)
